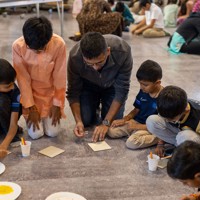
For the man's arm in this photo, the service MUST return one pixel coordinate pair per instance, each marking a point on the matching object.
(73, 93)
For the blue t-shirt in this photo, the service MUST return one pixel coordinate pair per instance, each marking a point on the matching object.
(14, 96)
(147, 106)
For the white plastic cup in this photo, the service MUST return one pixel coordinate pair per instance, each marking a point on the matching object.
(153, 162)
(26, 148)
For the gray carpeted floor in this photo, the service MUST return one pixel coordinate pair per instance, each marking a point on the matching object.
(118, 173)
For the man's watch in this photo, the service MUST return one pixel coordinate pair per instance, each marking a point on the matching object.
(106, 122)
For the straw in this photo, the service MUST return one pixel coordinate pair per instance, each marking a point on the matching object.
(151, 155)
(23, 141)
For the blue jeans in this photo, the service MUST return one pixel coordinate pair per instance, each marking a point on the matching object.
(94, 97)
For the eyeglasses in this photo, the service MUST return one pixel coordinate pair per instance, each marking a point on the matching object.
(99, 64)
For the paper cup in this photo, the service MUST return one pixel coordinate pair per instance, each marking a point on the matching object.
(153, 162)
(26, 149)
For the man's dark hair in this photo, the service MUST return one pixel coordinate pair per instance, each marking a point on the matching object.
(144, 2)
(7, 72)
(120, 7)
(37, 32)
(172, 101)
(92, 45)
(149, 71)
(185, 161)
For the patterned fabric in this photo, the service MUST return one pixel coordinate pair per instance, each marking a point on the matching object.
(96, 15)
(196, 7)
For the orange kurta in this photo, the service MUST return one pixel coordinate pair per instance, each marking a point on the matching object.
(41, 76)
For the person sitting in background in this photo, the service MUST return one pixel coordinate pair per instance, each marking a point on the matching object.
(10, 107)
(133, 125)
(184, 166)
(153, 24)
(96, 15)
(170, 13)
(186, 37)
(185, 10)
(126, 14)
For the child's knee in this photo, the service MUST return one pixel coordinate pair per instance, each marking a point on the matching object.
(154, 122)
(49, 129)
(35, 134)
(52, 132)
(186, 135)
(112, 133)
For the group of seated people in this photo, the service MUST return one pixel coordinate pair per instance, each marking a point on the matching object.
(98, 74)
(115, 17)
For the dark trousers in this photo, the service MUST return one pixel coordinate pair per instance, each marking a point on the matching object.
(5, 114)
(192, 48)
(92, 98)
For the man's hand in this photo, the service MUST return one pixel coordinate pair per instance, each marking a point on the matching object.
(55, 114)
(33, 118)
(3, 152)
(79, 130)
(118, 122)
(99, 133)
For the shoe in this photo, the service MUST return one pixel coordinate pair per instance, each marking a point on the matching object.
(169, 149)
(126, 29)
(167, 34)
(75, 38)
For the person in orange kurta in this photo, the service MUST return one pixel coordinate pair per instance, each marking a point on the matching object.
(39, 58)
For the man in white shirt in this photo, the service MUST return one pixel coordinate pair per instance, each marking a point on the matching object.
(152, 25)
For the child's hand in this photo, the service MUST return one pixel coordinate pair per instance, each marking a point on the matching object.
(55, 114)
(160, 150)
(137, 32)
(118, 122)
(132, 125)
(3, 152)
(33, 119)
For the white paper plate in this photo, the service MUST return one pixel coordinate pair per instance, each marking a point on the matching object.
(2, 168)
(65, 196)
(12, 196)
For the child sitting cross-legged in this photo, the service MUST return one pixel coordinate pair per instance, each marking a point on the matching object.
(134, 124)
(178, 119)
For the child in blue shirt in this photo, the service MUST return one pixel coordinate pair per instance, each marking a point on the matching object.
(126, 14)
(134, 124)
(10, 107)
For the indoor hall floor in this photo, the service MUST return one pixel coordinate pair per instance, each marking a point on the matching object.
(118, 173)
